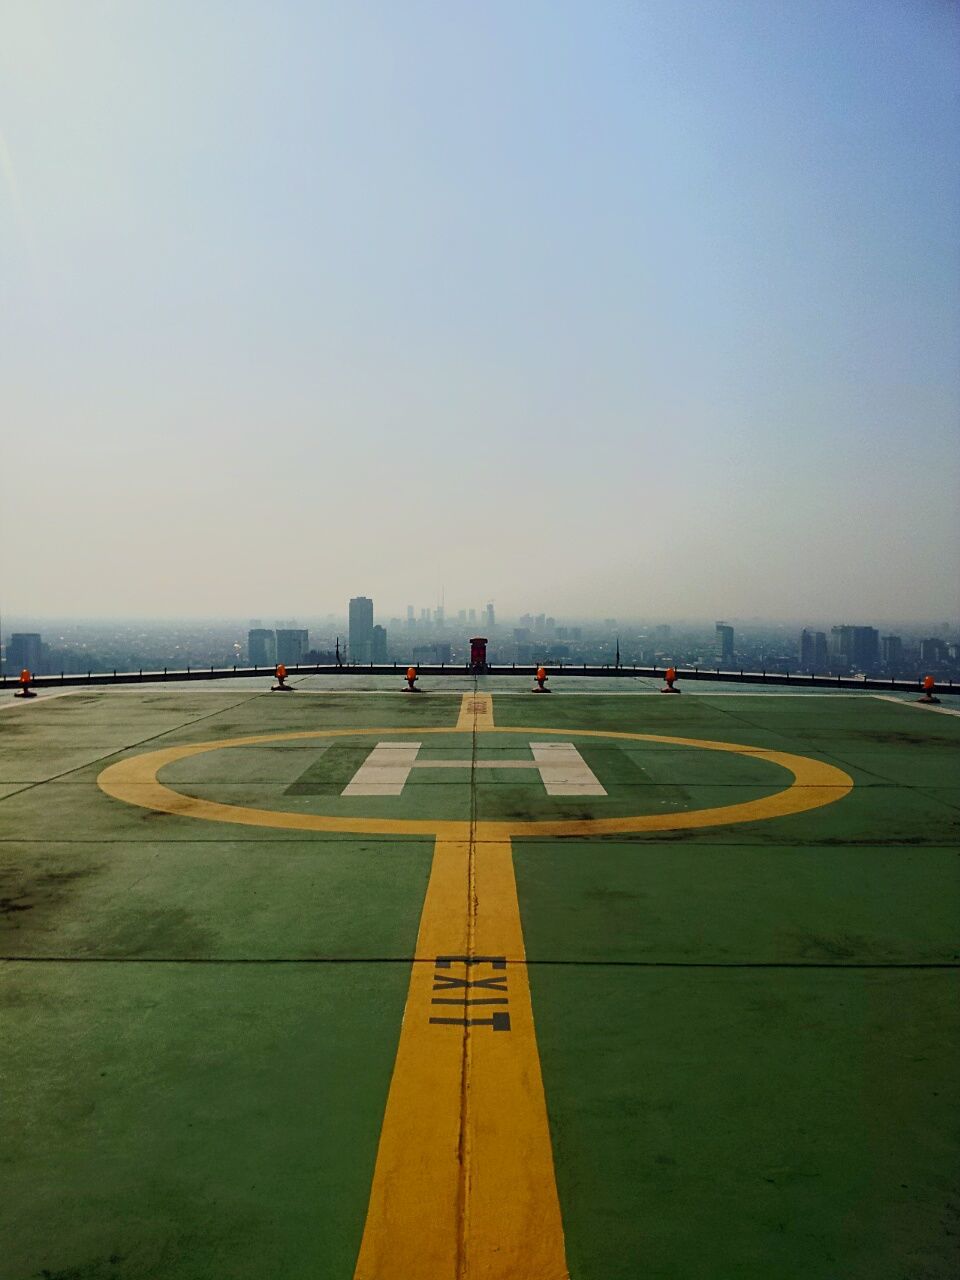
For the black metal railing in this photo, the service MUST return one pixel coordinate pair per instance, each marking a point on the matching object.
(684, 674)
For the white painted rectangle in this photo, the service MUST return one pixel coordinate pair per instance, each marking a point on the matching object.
(385, 770)
(475, 764)
(564, 770)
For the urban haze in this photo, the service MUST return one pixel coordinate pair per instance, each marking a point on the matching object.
(638, 310)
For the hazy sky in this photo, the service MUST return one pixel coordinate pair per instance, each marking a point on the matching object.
(622, 308)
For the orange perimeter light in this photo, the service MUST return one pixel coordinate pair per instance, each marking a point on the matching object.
(25, 691)
(929, 684)
(281, 686)
(412, 680)
(670, 675)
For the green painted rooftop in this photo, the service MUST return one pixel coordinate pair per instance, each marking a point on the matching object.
(726, 983)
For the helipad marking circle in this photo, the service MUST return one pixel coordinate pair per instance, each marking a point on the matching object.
(135, 781)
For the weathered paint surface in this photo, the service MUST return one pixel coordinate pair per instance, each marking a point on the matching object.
(464, 1182)
(747, 1033)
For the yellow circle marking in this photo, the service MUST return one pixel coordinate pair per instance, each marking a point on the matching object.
(135, 781)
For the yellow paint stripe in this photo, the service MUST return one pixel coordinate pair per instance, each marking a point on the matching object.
(815, 783)
(464, 1182)
(476, 712)
(411, 1228)
(513, 1209)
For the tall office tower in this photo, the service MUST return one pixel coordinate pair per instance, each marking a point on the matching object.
(424, 615)
(409, 612)
(724, 644)
(839, 641)
(379, 644)
(857, 647)
(807, 646)
(820, 659)
(361, 629)
(866, 647)
(813, 651)
(292, 644)
(24, 649)
(261, 647)
(472, 616)
(461, 615)
(931, 650)
(891, 650)
(491, 617)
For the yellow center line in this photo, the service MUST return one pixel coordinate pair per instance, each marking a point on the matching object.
(476, 712)
(464, 1185)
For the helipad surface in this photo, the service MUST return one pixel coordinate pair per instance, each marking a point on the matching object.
(480, 1016)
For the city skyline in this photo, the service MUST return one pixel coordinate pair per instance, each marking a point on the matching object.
(11, 620)
(839, 649)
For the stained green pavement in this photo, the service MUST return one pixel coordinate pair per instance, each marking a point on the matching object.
(747, 1034)
(191, 1120)
(749, 1123)
(769, 1087)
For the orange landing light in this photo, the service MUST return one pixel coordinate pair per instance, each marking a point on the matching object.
(25, 690)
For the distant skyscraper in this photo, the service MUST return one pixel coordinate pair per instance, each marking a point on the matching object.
(379, 644)
(491, 617)
(838, 642)
(932, 650)
(857, 647)
(461, 615)
(292, 644)
(866, 646)
(409, 612)
(361, 629)
(472, 616)
(813, 651)
(261, 647)
(724, 644)
(806, 650)
(891, 650)
(24, 649)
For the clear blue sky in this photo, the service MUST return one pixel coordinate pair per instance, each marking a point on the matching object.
(638, 309)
